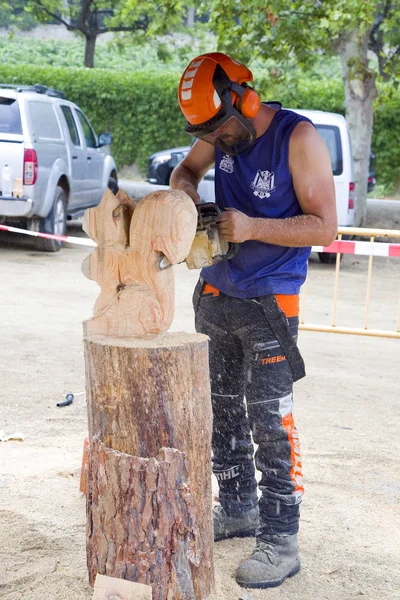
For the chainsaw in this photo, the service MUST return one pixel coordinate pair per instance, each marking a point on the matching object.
(207, 249)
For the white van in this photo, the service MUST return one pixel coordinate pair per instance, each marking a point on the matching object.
(334, 131)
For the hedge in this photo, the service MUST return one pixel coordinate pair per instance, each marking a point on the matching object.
(141, 110)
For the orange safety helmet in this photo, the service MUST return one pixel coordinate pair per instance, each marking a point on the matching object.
(211, 89)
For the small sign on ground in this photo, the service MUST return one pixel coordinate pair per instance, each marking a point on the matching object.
(111, 588)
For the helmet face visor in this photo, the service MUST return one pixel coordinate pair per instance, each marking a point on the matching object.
(228, 130)
(232, 137)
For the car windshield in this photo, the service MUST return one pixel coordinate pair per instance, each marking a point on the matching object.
(10, 119)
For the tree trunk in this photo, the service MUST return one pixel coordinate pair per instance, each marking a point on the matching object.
(148, 476)
(360, 92)
(190, 16)
(90, 44)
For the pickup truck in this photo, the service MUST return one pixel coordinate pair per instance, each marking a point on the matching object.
(59, 166)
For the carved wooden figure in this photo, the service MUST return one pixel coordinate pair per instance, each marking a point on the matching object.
(137, 296)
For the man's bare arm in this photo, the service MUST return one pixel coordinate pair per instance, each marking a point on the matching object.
(187, 175)
(311, 170)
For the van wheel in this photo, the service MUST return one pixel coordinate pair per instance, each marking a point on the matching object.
(328, 258)
(55, 222)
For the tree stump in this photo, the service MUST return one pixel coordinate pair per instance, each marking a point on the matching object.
(148, 468)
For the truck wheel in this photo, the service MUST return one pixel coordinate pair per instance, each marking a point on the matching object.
(55, 222)
(113, 185)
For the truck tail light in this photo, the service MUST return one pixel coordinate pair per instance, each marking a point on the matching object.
(352, 194)
(30, 166)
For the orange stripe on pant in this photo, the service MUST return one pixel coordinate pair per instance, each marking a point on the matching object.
(209, 289)
(296, 472)
(288, 304)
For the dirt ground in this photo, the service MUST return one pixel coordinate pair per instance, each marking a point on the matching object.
(347, 412)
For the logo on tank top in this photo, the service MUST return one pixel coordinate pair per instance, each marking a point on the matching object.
(263, 184)
(227, 163)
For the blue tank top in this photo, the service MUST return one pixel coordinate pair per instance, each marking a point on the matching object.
(258, 182)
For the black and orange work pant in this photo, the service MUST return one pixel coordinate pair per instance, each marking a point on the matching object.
(252, 399)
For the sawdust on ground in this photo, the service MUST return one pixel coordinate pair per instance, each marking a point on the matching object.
(347, 412)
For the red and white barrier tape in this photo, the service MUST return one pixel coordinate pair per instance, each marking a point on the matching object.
(363, 248)
(339, 246)
(49, 236)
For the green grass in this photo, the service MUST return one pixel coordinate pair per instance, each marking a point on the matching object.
(126, 56)
(61, 53)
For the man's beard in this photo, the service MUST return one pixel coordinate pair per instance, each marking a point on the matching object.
(234, 144)
(241, 139)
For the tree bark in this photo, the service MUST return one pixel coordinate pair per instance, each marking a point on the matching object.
(360, 92)
(90, 44)
(148, 474)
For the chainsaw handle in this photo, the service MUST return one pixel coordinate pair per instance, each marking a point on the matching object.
(208, 214)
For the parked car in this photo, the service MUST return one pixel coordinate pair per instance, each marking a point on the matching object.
(59, 165)
(333, 129)
(161, 164)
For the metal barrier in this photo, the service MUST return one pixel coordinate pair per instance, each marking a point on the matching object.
(370, 248)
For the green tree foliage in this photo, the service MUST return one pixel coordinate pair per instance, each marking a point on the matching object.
(305, 29)
(91, 18)
(109, 55)
(62, 53)
(13, 15)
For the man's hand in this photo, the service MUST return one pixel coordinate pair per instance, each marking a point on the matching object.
(235, 226)
(190, 171)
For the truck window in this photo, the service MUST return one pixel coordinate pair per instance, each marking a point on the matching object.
(44, 120)
(10, 119)
(331, 136)
(90, 138)
(73, 131)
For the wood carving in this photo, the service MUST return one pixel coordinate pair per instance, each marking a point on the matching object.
(136, 295)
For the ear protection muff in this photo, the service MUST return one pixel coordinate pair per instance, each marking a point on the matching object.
(247, 101)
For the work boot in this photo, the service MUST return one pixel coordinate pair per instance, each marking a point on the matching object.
(275, 557)
(225, 527)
